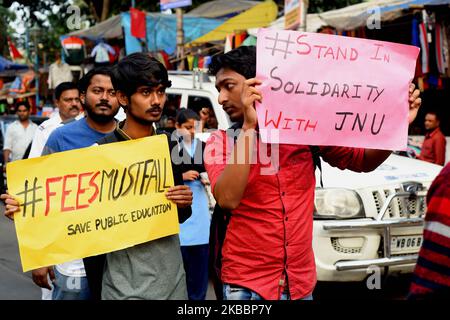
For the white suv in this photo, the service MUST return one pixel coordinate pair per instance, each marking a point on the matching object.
(361, 220)
(366, 220)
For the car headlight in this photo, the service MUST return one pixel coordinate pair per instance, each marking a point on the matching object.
(337, 204)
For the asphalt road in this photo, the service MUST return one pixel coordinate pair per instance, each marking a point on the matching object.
(14, 283)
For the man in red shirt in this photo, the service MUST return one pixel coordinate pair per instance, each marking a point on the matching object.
(433, 147)
(267, 252)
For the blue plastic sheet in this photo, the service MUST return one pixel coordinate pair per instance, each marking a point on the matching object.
(162, 31)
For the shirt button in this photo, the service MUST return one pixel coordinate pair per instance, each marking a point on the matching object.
(286, 219)
(283, 194)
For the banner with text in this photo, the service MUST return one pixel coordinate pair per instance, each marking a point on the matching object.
(321, 89)
(93, 200)
(292, 14)
(173, 4)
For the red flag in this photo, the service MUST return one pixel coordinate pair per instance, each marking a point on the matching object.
(15, 54)
(138, 23)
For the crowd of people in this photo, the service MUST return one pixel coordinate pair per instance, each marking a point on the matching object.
(267, 251)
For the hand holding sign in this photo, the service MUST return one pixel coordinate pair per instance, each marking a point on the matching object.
(328, 90)
(11, 205)
(414, 103)
(180, 195)
(103, 204)
(40, 277)
(249, 96)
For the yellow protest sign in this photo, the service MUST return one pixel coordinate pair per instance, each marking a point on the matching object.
(94, 200)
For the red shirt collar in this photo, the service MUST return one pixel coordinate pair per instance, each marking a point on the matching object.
(432, 133)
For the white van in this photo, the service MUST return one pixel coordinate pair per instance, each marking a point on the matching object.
(361, 220)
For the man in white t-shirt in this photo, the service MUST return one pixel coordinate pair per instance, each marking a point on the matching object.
(19, 134)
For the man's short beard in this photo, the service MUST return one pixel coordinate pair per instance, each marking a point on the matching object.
(99, 118)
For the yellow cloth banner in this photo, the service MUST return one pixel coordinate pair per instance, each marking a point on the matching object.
(94, 200)
(261, 15)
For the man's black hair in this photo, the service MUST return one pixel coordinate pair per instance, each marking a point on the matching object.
(242, 60)
(64, 86)
(85, 81)
(435, 113)
(23, 103)
(185, 114)
(139, 69)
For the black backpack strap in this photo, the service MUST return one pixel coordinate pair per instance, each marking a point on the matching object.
(94, 267)
(315, 151)
(110, 138)
(218, 229)
(162, 131)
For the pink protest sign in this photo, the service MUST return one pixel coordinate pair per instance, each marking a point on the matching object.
(321, 89)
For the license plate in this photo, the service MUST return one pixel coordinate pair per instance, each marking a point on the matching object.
(406, 244)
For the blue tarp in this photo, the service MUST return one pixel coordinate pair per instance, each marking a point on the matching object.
(162, 31)
(407, 4)
(5, 64)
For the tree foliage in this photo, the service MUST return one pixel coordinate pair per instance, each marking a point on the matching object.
(317, 6)
(46, 20)
(103, 9)
(51, 16)
(5, 18)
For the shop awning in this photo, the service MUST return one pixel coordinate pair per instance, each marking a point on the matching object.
(5, 64)
(161, 30)
(260, 15)
(108, 29)
(357, 15)
(222, 9)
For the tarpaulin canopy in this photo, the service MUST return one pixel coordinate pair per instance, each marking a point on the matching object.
(5, 64)
(162, 31)
(357, 15)
(110, 28)
(260, 15)
(222, 9)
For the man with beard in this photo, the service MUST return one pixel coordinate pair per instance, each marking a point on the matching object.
(151, 270)
(98, 98)
(19, 134)
(67, 100)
